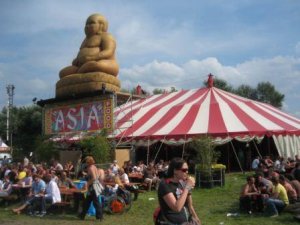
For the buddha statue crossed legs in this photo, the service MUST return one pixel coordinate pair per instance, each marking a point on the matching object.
(95, 63)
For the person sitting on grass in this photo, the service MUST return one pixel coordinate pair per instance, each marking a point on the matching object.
(295, 184)
(37, 191)
(264, 183)
(248, 194)
(278, 200)
(291, 192)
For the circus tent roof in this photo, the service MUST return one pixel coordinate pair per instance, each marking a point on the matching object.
(188, 113)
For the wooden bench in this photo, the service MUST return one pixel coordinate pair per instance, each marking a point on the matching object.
(9, 198)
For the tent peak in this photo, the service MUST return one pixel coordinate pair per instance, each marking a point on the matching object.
(210, 81)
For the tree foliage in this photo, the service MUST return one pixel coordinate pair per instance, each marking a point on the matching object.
(162, 91)
(205, 152)
(247, 92)
(264, 92)
(45, 150)
(157, 91)
(267, 93)
(98, 147)
(26, 126)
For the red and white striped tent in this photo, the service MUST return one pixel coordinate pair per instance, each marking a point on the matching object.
(179, 116)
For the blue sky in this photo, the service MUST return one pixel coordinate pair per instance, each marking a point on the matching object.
(160, 44)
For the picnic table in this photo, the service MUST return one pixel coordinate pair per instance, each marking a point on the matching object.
(136, 177)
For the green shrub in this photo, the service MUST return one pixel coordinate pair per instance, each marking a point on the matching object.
(45, 149)
(98, 147)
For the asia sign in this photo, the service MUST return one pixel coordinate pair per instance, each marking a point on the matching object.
(85, 116)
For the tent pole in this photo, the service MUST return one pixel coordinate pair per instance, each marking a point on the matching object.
(228, 157)
(148, 150)
(183, 147)
(159, 149)
(269, 150)
(257, 149)
(236, 156)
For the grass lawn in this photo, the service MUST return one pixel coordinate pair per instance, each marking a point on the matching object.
(212, 206)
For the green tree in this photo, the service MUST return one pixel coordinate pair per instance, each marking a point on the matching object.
(161, 90)
(173, 89)
(264, 92)
(205, 152)
(98, 147)
(158, 91)
(267, 93)
(45, 149)
(26, 124)
(246, 91)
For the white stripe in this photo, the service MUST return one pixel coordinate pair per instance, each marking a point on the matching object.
(153, 119)
(231, 121)
(130, 109)
(178, 117)
(280, 117)
(264, 122)
(200, 125)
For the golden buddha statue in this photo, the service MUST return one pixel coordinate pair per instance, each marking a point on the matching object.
(95, 64)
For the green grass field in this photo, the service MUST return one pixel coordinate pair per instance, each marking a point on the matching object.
(212, 206)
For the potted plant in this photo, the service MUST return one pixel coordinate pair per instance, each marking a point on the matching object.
(206, 156)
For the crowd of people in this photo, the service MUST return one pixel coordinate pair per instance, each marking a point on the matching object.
(39, 185)
(274, 186)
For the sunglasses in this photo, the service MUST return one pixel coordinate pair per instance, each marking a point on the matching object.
(184, 170)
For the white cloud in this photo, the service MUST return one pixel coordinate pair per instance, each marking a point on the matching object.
(282, 72)
(158, 45)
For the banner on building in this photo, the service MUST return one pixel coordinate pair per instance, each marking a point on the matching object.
(87, 115)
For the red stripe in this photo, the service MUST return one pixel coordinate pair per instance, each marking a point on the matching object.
(271, 117)
(252, 125)
(277, 111)
(187, 122)
(265, 114)
(128, 105)
(130, 114)
(215, 121)
(172, 113)
(147, 116)
(126, 118)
